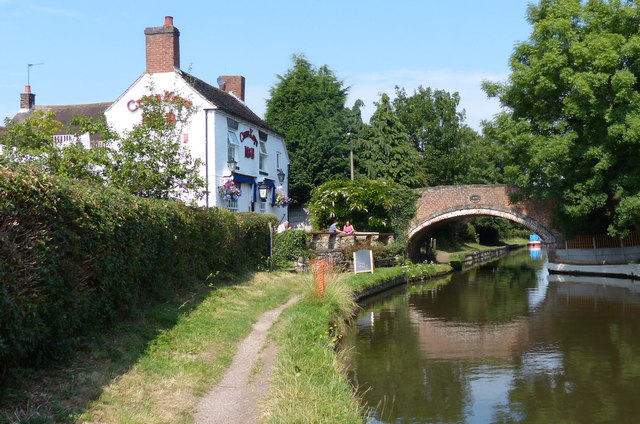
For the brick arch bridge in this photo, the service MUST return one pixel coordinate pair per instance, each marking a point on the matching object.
(438, 204)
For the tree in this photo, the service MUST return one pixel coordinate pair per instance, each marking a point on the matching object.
(436, 129)
(385, 151)
(34, 134)
(151, 160)
(32, 140)
(572, 129)
(148, 161)
(308, 107)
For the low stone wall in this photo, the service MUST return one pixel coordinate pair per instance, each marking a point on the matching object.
(329, 241)
(330, 246)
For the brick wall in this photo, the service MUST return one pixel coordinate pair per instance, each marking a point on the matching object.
(447, 202)
(162, 47)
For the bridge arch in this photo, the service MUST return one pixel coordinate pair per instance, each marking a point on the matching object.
(443, 203)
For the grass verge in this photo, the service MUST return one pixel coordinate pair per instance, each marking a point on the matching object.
(310, 383)
(142, 375)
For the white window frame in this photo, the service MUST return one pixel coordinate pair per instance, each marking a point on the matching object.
(232, 146)
(262, 161)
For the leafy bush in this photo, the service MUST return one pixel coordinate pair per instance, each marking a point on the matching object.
(75, 257)
(289, 246)
(370, 205)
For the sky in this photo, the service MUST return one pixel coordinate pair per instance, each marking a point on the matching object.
(89, 52)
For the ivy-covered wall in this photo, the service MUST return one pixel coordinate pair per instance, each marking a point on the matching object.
(75, 257)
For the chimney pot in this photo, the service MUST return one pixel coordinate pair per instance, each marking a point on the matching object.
(27, 89)
(168, 21)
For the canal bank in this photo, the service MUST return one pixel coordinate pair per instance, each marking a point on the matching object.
(631, 271)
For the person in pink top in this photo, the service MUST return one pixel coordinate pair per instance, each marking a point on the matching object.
(348, 228)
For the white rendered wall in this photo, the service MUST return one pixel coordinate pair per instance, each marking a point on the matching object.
(207, 133)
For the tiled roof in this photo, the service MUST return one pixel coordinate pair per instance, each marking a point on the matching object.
(64, 114)
(225, 101)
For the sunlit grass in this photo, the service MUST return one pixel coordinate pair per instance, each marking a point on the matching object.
(310, 385)
(183, 362)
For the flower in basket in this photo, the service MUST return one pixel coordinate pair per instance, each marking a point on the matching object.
(229, 190)
(282, 199)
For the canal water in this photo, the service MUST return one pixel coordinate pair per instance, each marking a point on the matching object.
(500, 343)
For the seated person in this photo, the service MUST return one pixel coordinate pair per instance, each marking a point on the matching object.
(334, 227)
(348, 228)
(283, 227)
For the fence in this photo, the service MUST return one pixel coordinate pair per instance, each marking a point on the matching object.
(598, 249)
(603, 241)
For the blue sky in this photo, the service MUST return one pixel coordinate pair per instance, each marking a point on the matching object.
(92, 51)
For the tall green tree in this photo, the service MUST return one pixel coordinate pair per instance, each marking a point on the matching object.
(385, 151)
(572, 129)
(436, 129)
(307, 106)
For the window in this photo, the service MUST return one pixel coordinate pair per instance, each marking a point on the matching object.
(232, 146)
(263, 156)
(232, 124)
(263, 206)
(278, 160)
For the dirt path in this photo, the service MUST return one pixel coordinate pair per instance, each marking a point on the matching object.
(235, 399)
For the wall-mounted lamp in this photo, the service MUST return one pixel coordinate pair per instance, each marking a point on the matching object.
(281, 175)
(232, 164)
(263, 191)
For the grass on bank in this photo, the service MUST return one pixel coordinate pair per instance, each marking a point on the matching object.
(308, 369)
(140, 374)
(161, 381)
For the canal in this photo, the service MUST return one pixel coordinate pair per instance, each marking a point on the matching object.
(500, 343)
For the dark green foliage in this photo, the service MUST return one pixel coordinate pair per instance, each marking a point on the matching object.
(370, 205)
(572, 126)
(308, 107)
(436, 129)
(385, 151)
(289, 246)
(75, 257)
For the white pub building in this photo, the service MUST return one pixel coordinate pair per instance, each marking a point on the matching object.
(244, 161)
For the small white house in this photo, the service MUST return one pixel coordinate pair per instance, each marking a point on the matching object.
(232, 142)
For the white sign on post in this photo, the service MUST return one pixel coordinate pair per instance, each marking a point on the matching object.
(363, 261)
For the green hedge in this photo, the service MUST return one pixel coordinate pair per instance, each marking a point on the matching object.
(75, 257)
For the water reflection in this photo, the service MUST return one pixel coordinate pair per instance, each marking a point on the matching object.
(503, 343)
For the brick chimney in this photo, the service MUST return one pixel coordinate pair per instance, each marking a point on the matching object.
(163, 47)
(233, 84)
(27, 99)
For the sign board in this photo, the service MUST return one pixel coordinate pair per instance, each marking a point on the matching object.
(363, 261)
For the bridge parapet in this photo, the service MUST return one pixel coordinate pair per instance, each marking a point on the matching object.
(437, 204)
